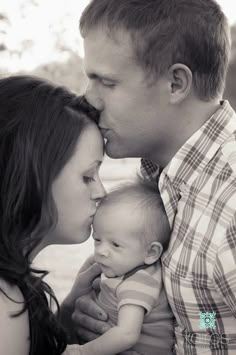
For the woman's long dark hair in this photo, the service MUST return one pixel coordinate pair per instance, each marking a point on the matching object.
(39, 127)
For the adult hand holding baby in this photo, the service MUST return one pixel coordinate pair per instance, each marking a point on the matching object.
(80, 313)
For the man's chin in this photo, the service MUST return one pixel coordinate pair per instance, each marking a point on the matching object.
(116, 152)
(114, 155)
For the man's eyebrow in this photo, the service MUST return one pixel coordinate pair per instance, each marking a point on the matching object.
(96, 76)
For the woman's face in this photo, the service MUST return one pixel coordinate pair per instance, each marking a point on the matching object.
(77, 189)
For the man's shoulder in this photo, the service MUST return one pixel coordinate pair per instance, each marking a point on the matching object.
(228, 151)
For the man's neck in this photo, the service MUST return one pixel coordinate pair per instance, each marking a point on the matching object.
(189, 118)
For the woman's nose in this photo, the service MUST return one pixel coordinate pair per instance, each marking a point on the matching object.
(93, 97)
(99, 192)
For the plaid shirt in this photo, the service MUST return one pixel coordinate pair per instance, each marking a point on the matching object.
(198, 188)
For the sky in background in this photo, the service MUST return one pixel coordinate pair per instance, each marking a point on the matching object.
(229, 7)
(46, 25)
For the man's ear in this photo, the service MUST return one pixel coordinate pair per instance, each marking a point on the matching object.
(180, 79)
(153, 253)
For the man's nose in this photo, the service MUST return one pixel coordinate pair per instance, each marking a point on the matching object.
(93, 97)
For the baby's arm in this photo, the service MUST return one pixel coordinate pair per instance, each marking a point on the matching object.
(119, 338)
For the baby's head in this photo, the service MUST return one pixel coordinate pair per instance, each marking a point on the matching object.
(130, 228)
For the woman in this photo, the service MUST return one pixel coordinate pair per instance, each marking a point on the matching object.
(50, 153)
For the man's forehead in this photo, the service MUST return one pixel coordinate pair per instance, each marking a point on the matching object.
(106, 57)
(100, 42)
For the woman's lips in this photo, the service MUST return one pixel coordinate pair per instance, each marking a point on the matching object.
(92, 215)
(105, 132)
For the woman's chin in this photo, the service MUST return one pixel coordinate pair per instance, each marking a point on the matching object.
(74, 237)
(83, 236)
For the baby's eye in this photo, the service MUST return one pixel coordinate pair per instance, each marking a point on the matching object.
(107, 83)
(88, 179)
(115, 245)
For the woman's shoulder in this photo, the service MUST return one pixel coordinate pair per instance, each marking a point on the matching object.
(14, 329)
(11, 298)
(12, 291)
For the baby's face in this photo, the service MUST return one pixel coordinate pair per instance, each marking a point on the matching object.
(119, 247)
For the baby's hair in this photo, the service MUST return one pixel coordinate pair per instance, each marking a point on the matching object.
(144, 197)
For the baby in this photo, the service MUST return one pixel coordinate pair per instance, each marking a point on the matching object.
(130, 232)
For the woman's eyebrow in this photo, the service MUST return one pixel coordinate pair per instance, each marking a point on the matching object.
(94, 165)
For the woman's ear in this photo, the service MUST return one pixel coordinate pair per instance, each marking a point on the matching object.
(153, 253)
(180, 79)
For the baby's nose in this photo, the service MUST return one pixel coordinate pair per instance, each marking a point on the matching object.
(103, 250)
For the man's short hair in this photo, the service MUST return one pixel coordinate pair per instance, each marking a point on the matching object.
(164, 32)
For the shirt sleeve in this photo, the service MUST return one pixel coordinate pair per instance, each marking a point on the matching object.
(141, 289)
(225, 268)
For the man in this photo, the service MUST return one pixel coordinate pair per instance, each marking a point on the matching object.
(156, 73)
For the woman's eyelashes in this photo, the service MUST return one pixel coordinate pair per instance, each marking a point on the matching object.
(116, 245)
(96, 239)
(91, 175)
(88, 179)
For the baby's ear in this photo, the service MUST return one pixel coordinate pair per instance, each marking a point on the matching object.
(153, 253)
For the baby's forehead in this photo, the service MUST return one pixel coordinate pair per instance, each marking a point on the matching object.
(113, 214)
(120, 221)
(118, 206)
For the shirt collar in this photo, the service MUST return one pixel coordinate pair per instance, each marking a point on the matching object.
(194, 155)
(200, 148)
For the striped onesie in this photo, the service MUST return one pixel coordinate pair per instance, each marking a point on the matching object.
(144, 287)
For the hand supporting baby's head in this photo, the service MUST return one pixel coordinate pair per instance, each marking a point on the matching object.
(130, 227)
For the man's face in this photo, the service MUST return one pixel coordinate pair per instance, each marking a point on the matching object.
(134, 117)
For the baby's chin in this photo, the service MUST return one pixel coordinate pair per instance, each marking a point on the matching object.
(108, 272)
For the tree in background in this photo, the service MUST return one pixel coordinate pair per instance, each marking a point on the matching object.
(37, 40)
(41, 37)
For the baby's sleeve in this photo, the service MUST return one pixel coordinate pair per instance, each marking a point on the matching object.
(141, 289)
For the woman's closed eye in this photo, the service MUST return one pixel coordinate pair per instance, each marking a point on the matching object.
(96, 239)
(88, 179)
(116, 245)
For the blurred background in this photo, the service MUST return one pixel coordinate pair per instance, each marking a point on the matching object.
(41, 37)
